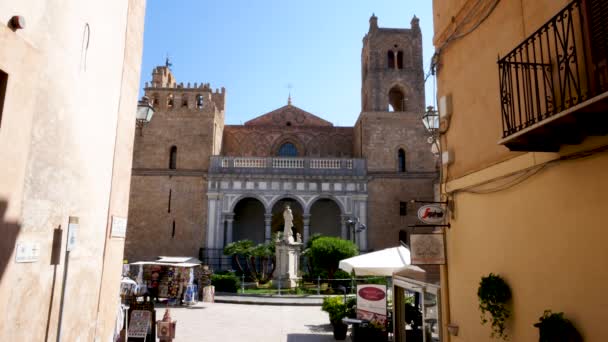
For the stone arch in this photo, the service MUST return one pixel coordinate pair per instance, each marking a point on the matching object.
(249, 220)
(184, 100)
(170, 101)
(274, 201)
(276, 214)
(325, 196)
(397, 98)
(326, 216)
(290, 138)
(243, 196)
(398, 151)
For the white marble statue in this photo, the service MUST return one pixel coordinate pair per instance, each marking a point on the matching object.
(287, 231)
(298, 238)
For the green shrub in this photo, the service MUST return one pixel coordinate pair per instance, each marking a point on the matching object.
(225, 282)
(554, 327)
(493, 294)
(326, 252)
(335, 307)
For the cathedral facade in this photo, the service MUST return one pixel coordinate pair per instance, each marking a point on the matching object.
(198, 184)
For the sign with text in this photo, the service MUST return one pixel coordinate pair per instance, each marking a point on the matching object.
(27, 252)
(371, 303)
(119, 227)
(139, 323)
(427, 249)
(431, 214)
(72, 230)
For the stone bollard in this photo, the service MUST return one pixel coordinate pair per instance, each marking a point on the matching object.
(166, 328)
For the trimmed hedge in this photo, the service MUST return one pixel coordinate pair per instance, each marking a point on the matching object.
(225, 282)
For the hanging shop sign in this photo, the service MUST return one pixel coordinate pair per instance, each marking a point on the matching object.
(371, 303)
(431, 213)
(427, 249)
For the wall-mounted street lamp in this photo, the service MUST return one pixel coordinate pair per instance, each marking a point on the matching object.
(430, 119)
(355, 227)
(144, 113)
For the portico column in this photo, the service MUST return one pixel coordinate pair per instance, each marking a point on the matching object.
(267, 227)
(306, 232)
(229, 232)
(363, 220)
(343, 227)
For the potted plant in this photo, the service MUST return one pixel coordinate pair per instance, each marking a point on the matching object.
(493, 294)
(553, 327)
(337, 309)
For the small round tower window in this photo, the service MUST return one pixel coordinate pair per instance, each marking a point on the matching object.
(288, 123)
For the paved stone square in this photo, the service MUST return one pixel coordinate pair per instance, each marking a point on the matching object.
(240, 322)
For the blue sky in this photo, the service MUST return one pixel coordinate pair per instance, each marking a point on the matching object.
(256, 48)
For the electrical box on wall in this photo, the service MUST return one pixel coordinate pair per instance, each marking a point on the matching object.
(447, 157)
(445, 106)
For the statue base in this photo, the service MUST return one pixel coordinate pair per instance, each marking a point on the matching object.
(288, 264)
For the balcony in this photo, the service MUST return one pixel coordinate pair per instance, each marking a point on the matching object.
(288, 166)
(554, 85)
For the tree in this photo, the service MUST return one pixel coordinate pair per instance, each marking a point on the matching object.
(306, 252)
(259, 259)
(326, 252)
(237, 248)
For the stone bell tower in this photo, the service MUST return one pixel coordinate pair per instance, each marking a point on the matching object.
(391, 69)
(389, 133)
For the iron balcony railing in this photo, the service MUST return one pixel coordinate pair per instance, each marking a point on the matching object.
(559, 66)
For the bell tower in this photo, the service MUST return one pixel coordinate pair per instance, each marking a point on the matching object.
(391, 69)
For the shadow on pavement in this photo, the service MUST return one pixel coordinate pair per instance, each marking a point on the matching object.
(311, 338)
(320, 328)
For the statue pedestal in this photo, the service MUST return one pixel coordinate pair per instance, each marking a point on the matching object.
(288, 264)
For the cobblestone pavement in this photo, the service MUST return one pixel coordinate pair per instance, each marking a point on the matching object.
(219, 322)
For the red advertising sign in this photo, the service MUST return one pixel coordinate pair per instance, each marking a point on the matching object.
(372, 293)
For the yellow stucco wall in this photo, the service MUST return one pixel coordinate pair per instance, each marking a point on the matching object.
(545, 236)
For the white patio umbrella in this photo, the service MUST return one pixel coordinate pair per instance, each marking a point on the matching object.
(380, 263)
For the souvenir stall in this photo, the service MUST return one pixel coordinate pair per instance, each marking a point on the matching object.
(171, 278)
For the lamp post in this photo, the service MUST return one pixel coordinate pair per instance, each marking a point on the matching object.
(355, 227)
(144, 113)
(430, 119)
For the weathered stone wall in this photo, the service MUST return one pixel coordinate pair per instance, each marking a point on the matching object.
(384, 195)
(156, 202)
(378, 77)
(380, 134)
(191, 118)
(265, 141)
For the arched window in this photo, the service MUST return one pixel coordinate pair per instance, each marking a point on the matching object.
(399, 59)
(184, 101)
(401, 160)
(390, 59)
(199, 101)
(173, 158)
(288, 150)
(170, 101)
(396, 100)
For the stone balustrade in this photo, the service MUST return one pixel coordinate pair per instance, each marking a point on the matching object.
(287, 165)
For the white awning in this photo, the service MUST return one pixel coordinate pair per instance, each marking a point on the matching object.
(380, 263)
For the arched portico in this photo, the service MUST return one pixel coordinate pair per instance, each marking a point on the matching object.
(248, 221)
(326, 217)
